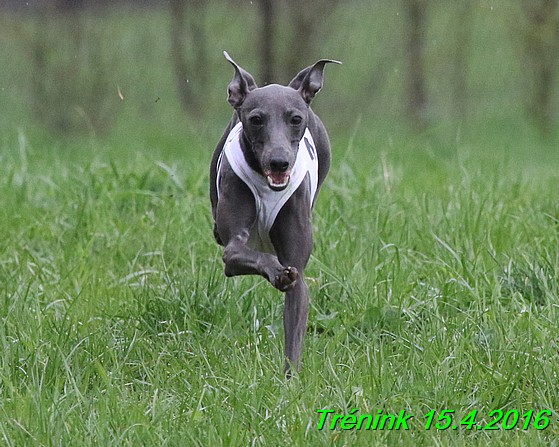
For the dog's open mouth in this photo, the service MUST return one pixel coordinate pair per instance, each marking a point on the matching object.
(278, 180)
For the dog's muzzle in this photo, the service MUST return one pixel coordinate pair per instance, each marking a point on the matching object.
(278, 181)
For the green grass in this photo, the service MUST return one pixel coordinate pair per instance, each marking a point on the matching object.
(433, 285)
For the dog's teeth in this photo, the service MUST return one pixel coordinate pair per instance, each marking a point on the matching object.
(272, 182)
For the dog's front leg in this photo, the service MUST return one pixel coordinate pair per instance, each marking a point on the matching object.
(295, 316)
(239, 259)
(235, 216)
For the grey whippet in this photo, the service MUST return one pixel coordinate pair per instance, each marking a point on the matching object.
(264, 177)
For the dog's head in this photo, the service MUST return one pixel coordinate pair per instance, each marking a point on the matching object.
(275, 117)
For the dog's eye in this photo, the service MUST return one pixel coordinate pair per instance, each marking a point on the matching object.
(296, 120)
(256, 120)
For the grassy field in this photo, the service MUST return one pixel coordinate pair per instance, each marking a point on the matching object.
(433, 282)
(433, 278)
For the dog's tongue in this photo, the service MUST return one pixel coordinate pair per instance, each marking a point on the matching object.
(277, 180)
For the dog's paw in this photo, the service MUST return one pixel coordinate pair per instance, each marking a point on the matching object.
(286, 279)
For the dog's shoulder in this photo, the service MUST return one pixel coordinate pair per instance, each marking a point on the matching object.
(318, 132)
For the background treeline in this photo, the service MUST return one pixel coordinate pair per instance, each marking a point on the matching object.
(74, 66)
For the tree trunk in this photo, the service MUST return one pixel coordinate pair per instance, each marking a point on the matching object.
(178, 52)
(541, 47)
(303, 23)
(267, 58)
(465, 15)
(416, 15)
(200, 42)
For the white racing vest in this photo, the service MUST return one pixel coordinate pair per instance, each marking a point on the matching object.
(269, 202)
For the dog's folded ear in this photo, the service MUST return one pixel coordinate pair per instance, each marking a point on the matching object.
(242, 83)
(309, 80)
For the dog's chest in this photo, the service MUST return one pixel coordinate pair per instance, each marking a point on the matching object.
(268, 202)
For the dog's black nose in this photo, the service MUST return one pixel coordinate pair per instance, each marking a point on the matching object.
(279, 165)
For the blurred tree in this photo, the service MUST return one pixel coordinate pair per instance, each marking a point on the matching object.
(267, 55)
(190, 76)
(305, 24)
(463, 35)
(178, 53)
(295, 23)
(71, 89)
(416, 18)
(541, 51)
